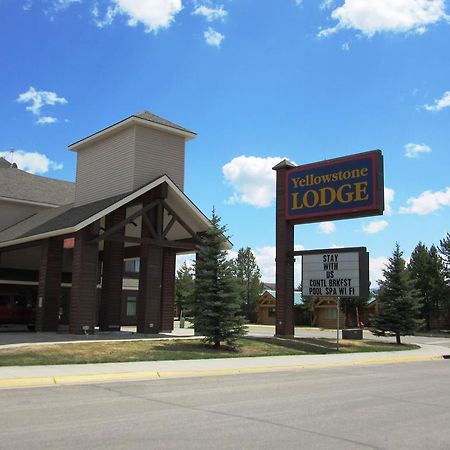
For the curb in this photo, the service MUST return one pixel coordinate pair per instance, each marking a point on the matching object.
(65, 380)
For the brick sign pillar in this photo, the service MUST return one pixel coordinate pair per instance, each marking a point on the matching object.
(49, 290)
(83, 302)
(284, 262)
(112, 277)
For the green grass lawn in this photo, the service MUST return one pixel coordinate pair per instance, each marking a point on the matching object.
(102, 352)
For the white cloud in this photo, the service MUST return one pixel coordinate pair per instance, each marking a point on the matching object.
(253, 180)
(39, 99)
(188, 259)
(441, 103)
(327, 227)
(32, 162)
(265, 258)
(414, 150)
(107, 19)
(345, 47)
(51, 7)
(153, 14)
(375, 226)
(59, 5)
(396, 16)
(213, 37)
(389, 195)
(210, 13)
(376, 266)
(46, 120)
(327, 4)
(427, 202)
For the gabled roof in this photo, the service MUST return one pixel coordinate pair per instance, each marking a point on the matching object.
(4, 163)
(16, 184)
(147, 115)
(70, 219)
(144, 118)
(298, 300)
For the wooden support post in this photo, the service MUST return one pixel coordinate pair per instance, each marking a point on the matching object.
(151, 270)
(49, 290)
(168, 290)
(112, 277)
(83, 303)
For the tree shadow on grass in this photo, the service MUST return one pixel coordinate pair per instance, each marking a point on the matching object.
(301, 344)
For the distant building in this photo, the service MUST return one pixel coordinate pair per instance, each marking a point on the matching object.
(266, 307)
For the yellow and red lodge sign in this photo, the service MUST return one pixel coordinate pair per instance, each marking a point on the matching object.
(340, 188)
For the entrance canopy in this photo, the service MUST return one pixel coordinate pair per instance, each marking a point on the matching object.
(182, 220)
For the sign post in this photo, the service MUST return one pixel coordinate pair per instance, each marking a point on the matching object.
(340, 188)
(338, 307)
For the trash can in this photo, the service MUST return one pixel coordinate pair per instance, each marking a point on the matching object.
(352, 333)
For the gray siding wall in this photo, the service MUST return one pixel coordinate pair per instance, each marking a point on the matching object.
(158, 153)
(11, 213)
(105, 168)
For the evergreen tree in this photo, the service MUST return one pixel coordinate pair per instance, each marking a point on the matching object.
(444, 248)
(427, 272)
(248, 278)
(184, 286)
(215, 308)
(399, 301)
(439, 290)
(420, 270)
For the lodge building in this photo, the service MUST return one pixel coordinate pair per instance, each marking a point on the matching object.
(68, 241)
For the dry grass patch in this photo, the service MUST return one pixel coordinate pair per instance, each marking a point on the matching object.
(102, 352)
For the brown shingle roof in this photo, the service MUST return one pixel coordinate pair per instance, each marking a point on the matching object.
(16, 184)
(144, 115)
(4, 163)
(147, 115)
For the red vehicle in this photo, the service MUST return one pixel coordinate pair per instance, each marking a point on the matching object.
(17, 309)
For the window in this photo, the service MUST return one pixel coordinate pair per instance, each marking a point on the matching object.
(131, 266)
(131, 306)
(330, 313)
(4, 300)
(271, 312)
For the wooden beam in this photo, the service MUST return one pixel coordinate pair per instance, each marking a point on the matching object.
(149, 225)
(180, 220)
(168, 227)
(156, 242)
(159, 220)
(120, 225)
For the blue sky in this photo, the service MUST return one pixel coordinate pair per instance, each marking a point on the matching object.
(258, 81)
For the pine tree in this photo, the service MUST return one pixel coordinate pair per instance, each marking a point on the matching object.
(248, 277)
(215, 308)
(420, 270)
(184, 286)
(444, 248)
(399, 301)
(440, 293)
(427, 272)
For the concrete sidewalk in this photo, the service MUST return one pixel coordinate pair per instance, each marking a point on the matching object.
(31, 376)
